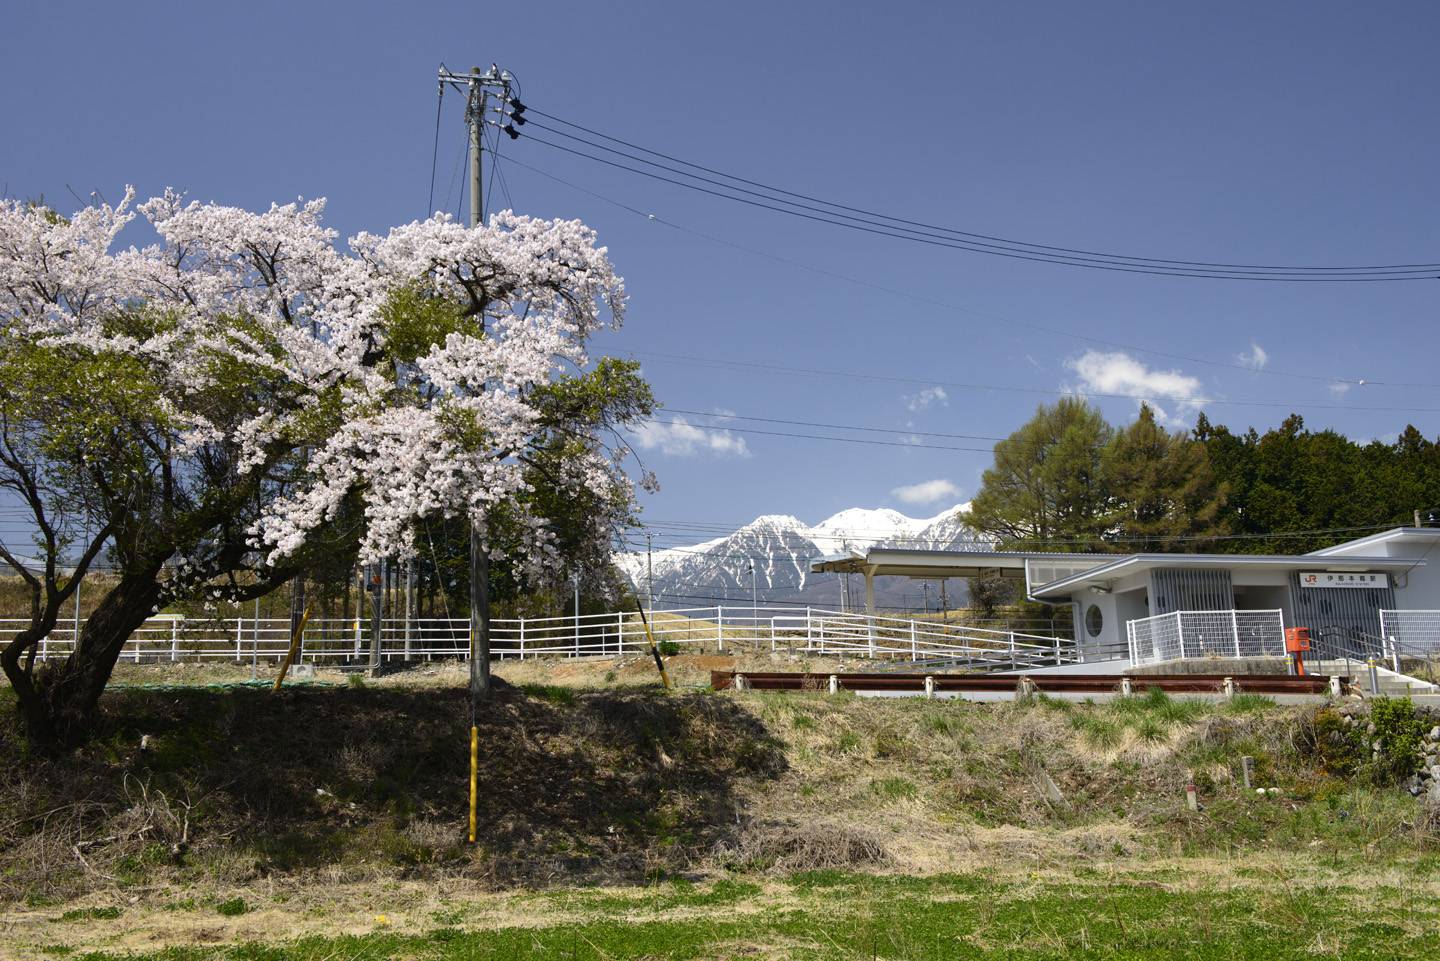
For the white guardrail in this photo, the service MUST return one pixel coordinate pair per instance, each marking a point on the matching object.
(808, 630)
(1188, 634)
(1415, 630)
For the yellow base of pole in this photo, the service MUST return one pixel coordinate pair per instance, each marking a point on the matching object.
(474, 777)
(654, 648)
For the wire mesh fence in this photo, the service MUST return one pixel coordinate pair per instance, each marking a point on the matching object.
(1416, 630)
(1194, 634)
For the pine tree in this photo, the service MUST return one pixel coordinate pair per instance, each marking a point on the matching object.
(1046, 490)
(1163, 492)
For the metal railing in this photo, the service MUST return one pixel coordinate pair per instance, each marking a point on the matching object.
(1357, 649)
(1193, 634)
(721, 628)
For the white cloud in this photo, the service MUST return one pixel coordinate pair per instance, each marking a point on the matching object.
(1340, 388)
(1255, 358)
(928, 397)
(926, 492)
(681, 438)
(1104, 372)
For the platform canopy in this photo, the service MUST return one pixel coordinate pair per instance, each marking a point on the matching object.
(903, 562)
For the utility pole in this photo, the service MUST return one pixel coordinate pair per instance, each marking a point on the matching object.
(409, 601)
(754, 605)
(477, 94)
(377, 614)
(649, 576)
(576, 578)
(479, 562)
(944, 602)
(475, 118)
(477, 87)
(925, 593)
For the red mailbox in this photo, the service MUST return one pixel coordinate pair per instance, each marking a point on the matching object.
(1297, 644)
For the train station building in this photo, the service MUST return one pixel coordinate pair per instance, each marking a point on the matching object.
(1144, 605)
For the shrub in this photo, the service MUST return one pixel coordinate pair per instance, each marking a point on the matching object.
(1398, 732)
(232, 908)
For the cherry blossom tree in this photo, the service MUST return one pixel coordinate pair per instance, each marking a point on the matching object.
(210, 411)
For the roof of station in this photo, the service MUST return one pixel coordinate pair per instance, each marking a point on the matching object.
(1103, 575)
(1056, 574)
(1371, 541)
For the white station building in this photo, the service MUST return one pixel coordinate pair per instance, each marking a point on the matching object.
(1153, 607)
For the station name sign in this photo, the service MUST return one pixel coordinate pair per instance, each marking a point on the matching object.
(1335, 579)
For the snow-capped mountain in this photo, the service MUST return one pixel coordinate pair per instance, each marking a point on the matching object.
(782, 547)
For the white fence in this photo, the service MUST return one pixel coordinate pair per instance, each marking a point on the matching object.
(799, 630)
(1188, 634)
(1414, 630)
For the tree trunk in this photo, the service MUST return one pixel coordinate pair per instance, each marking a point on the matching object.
(69, 693)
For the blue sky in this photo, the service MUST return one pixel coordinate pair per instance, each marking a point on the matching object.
(1290, 133)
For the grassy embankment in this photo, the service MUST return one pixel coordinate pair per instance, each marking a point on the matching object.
(327, 822)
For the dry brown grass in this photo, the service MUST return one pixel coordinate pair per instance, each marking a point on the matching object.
(592, 776)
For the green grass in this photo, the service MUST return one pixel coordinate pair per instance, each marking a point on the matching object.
(836, 916)
(1249, 704)
(554, 694)
(232, 908)
(1099, 732)
(90, 914)
(894, 788)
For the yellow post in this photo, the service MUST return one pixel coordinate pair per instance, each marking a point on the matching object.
(474, 772)
(654, 648)
(294, 646)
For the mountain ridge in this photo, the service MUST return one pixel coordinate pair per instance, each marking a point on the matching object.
(781, 547)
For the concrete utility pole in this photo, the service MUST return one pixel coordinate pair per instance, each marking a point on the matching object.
(479, 563)
(944, 602)
(477, 87)
(409, 602)
(649, 576)
(477, 91)
(377, 614)
(475, 118)
(754, 604)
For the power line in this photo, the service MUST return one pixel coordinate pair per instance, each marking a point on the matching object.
(921, 298)
(949, 230)
(808, 423)
(858, 534)
(845, 440)
(1242, 272)
(435, 152)
(1011, 388)
(972, 247)
(933, 240)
